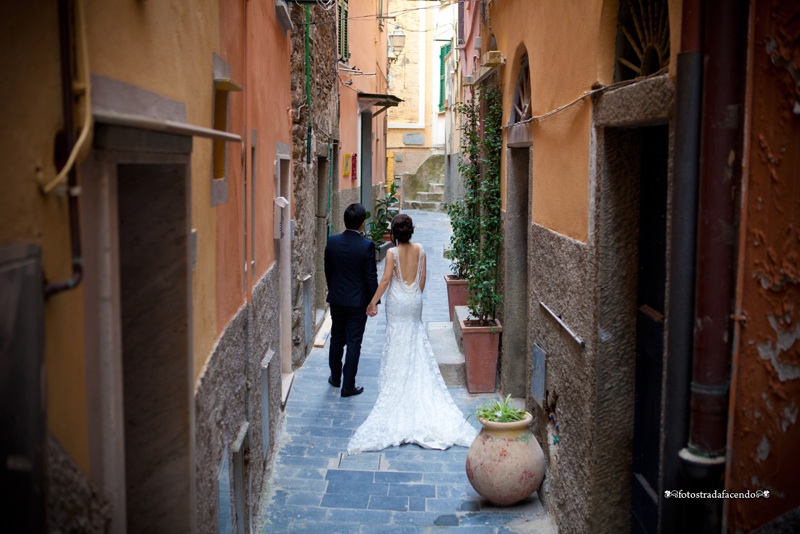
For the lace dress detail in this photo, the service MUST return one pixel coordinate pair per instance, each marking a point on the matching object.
(414, 405)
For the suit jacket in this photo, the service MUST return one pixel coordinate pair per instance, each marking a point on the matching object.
(350, 269)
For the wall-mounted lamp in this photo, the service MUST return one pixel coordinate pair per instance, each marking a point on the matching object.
(397, 41)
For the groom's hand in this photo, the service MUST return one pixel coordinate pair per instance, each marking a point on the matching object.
(372, 310)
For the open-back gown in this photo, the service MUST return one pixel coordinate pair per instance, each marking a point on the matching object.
(414, 405)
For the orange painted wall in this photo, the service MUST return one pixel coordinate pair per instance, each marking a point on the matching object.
(560, 70)
(230, 215)
(564, 64)
(268, 100)
(368, 54)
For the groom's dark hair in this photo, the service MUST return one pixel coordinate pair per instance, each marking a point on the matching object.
(354, 215)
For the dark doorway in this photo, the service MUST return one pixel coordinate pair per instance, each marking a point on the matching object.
(156, 346)
(649, 326)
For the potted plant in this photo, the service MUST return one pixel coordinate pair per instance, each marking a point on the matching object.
(379, 228)
(460, 255)
(481, 332)
(505, 464)
(465, 214)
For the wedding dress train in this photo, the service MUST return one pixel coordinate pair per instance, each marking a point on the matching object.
(414, 405)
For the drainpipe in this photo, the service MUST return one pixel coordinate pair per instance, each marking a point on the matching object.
(683, 244)
(65, 18)
(720, 172)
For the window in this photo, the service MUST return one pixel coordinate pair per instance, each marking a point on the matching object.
(443, 52)
(223, 86)
(344, 49)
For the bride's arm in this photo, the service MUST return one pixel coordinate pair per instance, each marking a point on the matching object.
(383, 284)
(422, 275)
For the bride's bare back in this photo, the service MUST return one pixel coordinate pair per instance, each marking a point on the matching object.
(409, 263)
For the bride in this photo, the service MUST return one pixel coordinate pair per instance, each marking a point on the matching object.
(414, 405)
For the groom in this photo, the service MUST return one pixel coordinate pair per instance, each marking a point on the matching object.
(352, 280)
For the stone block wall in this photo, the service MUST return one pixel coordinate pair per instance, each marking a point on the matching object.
(228, 396)
(320, 112)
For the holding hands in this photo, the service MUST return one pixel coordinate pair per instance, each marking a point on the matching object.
(372, 310)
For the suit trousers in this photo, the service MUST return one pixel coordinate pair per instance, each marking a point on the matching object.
(347, 329)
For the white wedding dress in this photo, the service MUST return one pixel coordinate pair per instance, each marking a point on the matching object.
(414, 405)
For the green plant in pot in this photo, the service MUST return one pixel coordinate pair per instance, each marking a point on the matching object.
(481, 332)
(505, 464)
(465, 213)
(380, 225)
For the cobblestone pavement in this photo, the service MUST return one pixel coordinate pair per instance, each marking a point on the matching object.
(316, 487)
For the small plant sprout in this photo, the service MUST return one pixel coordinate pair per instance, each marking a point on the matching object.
(499, 412)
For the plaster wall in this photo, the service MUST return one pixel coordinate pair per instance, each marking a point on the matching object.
(230, 253)
(559, 71)
(126, 43)
(268, 97)
(30, 119)
(368, 55)
(591, 287)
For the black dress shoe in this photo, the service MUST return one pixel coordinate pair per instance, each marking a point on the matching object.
(331, 382)
(347, 392)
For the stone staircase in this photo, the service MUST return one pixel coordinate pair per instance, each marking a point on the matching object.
(430, 200)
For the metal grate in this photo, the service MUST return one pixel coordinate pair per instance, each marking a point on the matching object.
(642, 38)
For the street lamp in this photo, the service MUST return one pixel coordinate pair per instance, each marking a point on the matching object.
(397, 40)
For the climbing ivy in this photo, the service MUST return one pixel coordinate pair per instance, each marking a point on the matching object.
(485, 299)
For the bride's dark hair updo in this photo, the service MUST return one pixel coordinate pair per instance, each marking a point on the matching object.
(402, 228)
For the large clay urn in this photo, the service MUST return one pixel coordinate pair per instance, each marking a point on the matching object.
(505, 463)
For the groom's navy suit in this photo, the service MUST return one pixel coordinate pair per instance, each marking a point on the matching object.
(352, 281)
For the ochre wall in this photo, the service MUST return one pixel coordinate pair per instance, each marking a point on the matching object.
(560, 71)
(31, 116)
(268, 113)
(230, 254)
(127, 41)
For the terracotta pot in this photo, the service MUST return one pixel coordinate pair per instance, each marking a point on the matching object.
(505, 463)
(457, 292)
(481, 345)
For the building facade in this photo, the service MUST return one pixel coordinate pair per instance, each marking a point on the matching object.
(148, 147)
(642, 304)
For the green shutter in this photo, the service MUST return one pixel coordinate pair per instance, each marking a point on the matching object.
(442, 55)
(344, 49)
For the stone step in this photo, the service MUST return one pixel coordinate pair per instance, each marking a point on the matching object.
(424, 206)
(429, 196)
(449, 358)
(435, 187)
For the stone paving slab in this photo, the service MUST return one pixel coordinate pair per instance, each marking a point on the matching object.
(316, 487)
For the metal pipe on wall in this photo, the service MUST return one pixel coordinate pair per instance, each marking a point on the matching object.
(720, 173)
(683, 243)
(66, 16)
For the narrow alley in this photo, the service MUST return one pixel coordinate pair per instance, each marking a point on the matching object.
(316, 487)
(615, 185)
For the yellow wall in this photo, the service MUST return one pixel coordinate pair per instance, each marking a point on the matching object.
(560, 70)
(31, 116)
(128, 41)
(564, 63)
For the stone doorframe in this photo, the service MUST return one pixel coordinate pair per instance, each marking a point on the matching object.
(613, 209)
(116, 146)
